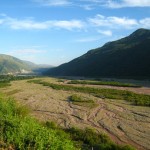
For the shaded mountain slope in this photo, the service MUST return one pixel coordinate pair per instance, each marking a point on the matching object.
(127, 57)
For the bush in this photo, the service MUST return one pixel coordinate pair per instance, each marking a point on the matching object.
(23, 132)
(82, 101)
(89, 139)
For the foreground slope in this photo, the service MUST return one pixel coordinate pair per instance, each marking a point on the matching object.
(20, 131)
(127, 57)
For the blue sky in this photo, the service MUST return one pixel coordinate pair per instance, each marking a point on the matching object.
(56, 31)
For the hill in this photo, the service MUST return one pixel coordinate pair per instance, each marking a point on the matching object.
(13, 65)
(127, 57)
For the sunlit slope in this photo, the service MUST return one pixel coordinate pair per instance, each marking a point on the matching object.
(13, 65)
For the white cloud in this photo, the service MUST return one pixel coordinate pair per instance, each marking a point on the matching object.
(68, 24)
(113, 21)
(127, 3)
(29, 23)
(106, 23)
(105, 32)
(53, 2)
(26, 24)
(90, 4)
(145, 23)
(87, 7)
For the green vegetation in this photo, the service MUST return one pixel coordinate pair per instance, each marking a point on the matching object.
(9, 93)
(137, 99)
(9, 64)
(19, 131)
(60, 80)
(4, 84)
(124, 58)
(8, 78)
(112, 83)
(82, 101)
(89, 139)
(5, 79)
(12, 65)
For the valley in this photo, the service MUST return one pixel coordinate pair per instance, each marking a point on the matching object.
(75, 75)
(99, 101)
(121, 120)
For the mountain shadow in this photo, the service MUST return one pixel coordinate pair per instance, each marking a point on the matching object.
(126, 58)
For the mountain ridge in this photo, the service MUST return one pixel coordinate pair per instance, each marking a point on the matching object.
(126, 57)
(13, 65)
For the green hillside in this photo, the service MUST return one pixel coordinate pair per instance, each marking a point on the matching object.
(12, 65)
(127, 57)
(9, 64)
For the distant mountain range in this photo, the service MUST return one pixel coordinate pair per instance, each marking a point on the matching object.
(127, 57)
(12, 65)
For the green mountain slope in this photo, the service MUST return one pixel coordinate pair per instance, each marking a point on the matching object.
(127, 57)
(9, 64)
(12, 65)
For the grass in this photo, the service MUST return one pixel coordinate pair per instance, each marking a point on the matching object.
(136, 99)
(19, 131)
(6, 79)
(12, 92)
(87, 138)
(111, 83)
(4, 84)
(60, 80)
(82, 101)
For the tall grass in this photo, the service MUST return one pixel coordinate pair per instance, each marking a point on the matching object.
(6, 79)
(19, 131)
(136, 99)
(82, 101)
(111, 83)
(4, 84)
(9, 78)
(89, 139)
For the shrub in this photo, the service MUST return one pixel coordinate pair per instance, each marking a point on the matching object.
(111, 83)
(23, 132)
(89, 139)
(82, 101)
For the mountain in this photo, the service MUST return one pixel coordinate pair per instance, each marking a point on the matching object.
(127, 57)
(41, 68)
(12, 65)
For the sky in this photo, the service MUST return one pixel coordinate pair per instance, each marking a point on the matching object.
(56, 31)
